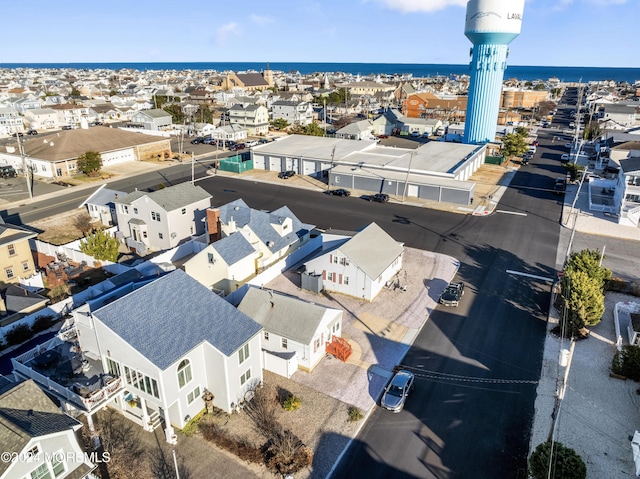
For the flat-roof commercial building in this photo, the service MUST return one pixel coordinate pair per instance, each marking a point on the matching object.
(435, 171)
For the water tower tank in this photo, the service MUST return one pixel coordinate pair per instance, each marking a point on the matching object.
(493, 21)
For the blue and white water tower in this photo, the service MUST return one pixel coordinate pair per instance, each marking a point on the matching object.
(490, 25)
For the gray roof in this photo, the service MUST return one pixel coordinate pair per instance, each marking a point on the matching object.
(155, 113)
(356, 128)
(178, 314)
(630, 165)
(18, 299)
(261, 223)
(25, 413)
(172, 198)
(285, 316)
(11, 233)
(104, 197)
(372, 250)
(233, 248)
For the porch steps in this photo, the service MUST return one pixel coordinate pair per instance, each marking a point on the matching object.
(339, 348)
(155, 419)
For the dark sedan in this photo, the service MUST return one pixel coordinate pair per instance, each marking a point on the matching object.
(379, 197)
(338, 192)
(286, 174)
(452, 294)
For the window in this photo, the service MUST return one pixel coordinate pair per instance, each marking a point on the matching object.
(335, 259)
(124, 209)
(266, 336)
(243, 354)
(144, 233)
(155, 216)
(33, 452)
(25, 266)
(184, 372)
(345, 280)
(329, 276)
(245, 377)
(135, 211)
(283, 343)
(57, 463)
(184, 211)
(141, 382)
(9, 273)
(113, 368)
(193, 395)
(12, 249)
(160, 235)
(41, 472)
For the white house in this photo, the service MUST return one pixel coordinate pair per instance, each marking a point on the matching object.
(32, 427)
(627, 190)
(359, 266)
(101, 205)
(294, 112)
(295, 331)
(254, 118)
(359, 130)
(171, 341)
(163, 219)
(42, 118)
(155, 119)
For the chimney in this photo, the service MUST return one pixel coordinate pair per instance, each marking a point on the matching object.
(213, 224)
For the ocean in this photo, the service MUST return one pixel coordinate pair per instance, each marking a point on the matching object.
(565, 74)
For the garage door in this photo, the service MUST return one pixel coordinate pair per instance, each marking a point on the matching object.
(412, 190)
(308, 167)
(275, 164)
(258, 162)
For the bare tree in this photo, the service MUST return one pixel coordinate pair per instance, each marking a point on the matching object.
(83, 222)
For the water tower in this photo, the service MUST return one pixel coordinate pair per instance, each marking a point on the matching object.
(490, 25)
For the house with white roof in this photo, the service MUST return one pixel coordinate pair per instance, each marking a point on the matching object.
(162, 219)
(170, 342)
(34, 429)
(154, 119)
(296, 332)
(359, 130)
(359, 266)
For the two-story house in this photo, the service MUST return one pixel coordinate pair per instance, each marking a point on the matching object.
(294, 112)
(155, 119)
(162, 219)
(171, 341)
(43, 440)
(101, 205)
(253, 118)
(244, 242)
(42, 118)
(627, 190)
(16, 260)
(359, 266)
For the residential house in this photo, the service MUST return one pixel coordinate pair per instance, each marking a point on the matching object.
(172, 341)
(625, 115)
(253, 118)
(42, 118)
(16, 302)
(449, 108)
(101, 205)
(367, 87)
(162, 219)
(294, 330)
(10, 121)
(519, 98)
(229, 133)
(16, 260)
(244, 241)
(294, 112)
(154, 119)
(627, 189)
(72, 115)
(359, 130)
(359, 266)
(45, 440)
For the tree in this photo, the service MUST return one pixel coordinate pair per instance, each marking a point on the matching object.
(279, 123)
(589, 261)
(514, 145)
(177, 115)
(584, 302)
(75, 91)
(101, 245)
(90, 163)
(522, 131)
(592, 131)
(312, 129)
(564, 462)
(539, 87)
(573, 170)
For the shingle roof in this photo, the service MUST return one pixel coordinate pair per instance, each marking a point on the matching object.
(630, 165)
(12, 233)
(373, 250)
(155, 113)
(172, 198)
(104, 196)
(285, 316)
(233, 248)
(17, 298)
(167, 318)
(262, 223)
(26, 412)
(252, 79)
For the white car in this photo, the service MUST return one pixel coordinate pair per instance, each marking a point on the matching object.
(251, 143)
(564, 157)
(568, 145)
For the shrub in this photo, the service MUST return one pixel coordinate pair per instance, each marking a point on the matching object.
(239, 447)
(635, 288)
(18, 334)
(627, 362)
(566, 463)
(286, 453)
(291, 403)
(616, 284)
(193, 426)
(42, 322)
(355, 414)
(262, 410)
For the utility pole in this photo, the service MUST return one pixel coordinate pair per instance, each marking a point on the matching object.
(25, 167)
(193, 161)
(565, 356)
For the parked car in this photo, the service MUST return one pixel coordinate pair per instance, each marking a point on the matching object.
(196, 140)
(379, 197)
(415, 134)
(560, 185)
(396, 393)
(285, 175)
(32, 132)
(339, 192)
(568, 145)
(7, 172)
(452, 294)
(16, 135)
(251, 143)
(237, 146)
(262, 141)
(564, 158)
(67, 127)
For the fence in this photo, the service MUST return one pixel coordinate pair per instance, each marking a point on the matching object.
(236, 164)
(494, 160)
(56, 310)
(70, 250)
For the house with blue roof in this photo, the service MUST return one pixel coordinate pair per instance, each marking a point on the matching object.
(174, 344)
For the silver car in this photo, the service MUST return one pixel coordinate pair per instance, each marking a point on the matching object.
(396, 392)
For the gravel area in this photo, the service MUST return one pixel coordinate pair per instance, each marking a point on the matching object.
(598, 414)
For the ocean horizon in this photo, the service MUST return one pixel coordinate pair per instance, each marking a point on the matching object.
(521, 72)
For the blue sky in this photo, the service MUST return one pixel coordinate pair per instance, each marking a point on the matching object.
(601, 33)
